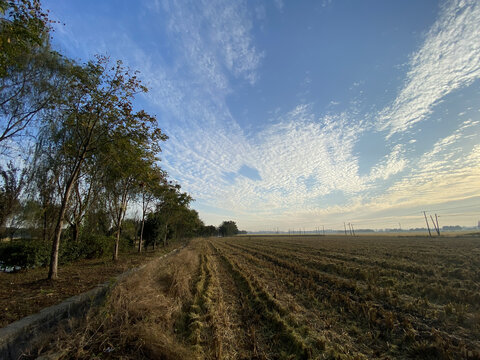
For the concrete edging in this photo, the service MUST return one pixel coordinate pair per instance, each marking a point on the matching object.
(22, 335)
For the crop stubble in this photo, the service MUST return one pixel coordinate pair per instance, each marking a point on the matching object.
(295, 297)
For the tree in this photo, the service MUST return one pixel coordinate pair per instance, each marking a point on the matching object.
(23, 27)
(151, 183)
(86, 189)
(228, 228)
(170, 207)
(172, 217)
(130, 157)
(208, 231)
(43, 187)
(187, 223)
(11, 185)
(28, 69)
(95, 106)
(120, 182)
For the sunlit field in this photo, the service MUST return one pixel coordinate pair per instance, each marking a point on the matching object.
(269, 297)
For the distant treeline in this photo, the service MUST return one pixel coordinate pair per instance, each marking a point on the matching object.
(337, 231)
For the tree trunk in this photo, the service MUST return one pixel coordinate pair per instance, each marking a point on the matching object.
(117, 237)
(44, 233)
(117, 242)
(165, 236)
(53, 270)
(76, 232)
(121, 215)
(140, 242)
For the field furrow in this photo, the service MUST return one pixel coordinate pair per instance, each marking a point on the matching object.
(292, 298)
(389, 318)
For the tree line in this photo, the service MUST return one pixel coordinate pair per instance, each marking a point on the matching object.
(76, 154)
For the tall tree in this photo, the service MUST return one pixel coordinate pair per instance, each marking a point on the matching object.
(151, 184)
(85, 191)
(12, 181)
(29, 70)
(129, 161)
(23, 28)
(95, 106)
(170, 204)
(228, 228)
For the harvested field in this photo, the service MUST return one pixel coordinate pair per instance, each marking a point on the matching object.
(294, 298)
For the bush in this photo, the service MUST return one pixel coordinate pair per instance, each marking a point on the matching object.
(25, 253)
(28, 253)
(97, 246)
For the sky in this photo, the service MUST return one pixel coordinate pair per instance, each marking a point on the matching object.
(297, 115)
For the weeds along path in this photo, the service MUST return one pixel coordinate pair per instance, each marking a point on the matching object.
(149, 315)
(362, 317)
(216, 322)
(240, 340)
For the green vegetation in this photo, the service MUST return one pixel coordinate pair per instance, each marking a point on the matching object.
(228, 228)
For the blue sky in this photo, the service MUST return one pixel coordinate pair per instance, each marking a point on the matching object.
(298, 114)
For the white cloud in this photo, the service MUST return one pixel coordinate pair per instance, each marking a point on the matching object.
(302, 156)
(279, 4)
(447, 172)
(449, 59)
(215, 35)
(392, 164)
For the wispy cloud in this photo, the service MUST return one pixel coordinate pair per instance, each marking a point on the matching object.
(448, 60)
(447, 172)
(295, 170)
(391, 164)
(215, 35)
(279, 4)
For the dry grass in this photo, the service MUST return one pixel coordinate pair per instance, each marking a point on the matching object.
(27, 292)
(292, 298)
(138, 320)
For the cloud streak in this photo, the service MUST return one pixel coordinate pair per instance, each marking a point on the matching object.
(449, 59)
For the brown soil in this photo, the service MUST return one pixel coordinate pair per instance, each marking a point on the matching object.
(26, 292)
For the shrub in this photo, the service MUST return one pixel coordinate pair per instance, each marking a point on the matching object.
(25, 253)
(97, 246)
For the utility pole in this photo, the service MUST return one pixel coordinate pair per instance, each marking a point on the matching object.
(438, 227)
(428, 227)
(323, 230)
(353, 230)
(435, 226)
(345, 228)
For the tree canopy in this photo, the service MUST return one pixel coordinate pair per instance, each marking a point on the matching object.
(228, 228)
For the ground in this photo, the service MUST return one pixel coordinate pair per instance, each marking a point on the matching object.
(27, 292)
(299, 297)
